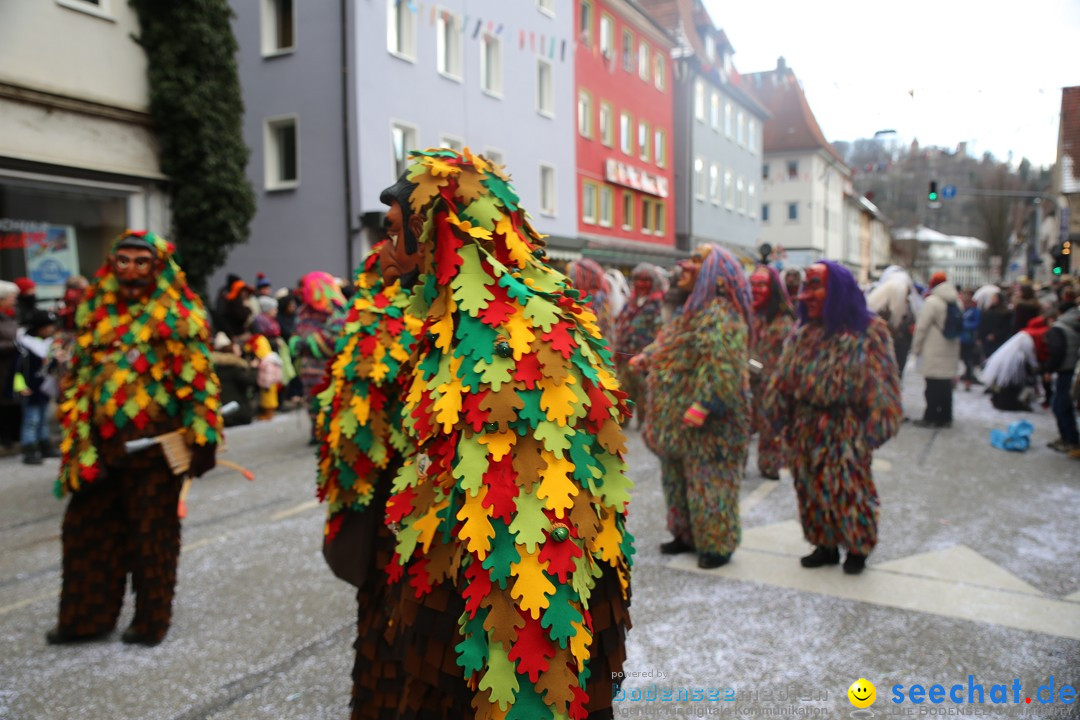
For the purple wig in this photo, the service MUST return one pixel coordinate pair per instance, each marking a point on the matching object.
(721, 264)
(845, 305)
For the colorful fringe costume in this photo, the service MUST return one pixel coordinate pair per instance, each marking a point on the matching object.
(362, 444)
(138, 371)
(836, 398)
(635, 328)
(511, 541)
(771, 328)
(702, 357)
(312, 342)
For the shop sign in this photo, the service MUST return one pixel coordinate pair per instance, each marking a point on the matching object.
(632, 177)
(51, 252)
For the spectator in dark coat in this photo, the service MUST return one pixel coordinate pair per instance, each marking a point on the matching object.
(237, 379)
(1026, 308)
(995, 325)
(10, 411)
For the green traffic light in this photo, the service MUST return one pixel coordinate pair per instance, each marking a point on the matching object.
(932, 197)
(1057, 270)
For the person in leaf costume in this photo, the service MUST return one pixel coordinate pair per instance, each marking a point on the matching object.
(835, 396)
(312, 343)
(636, 327)
(359, 426)
(697, 406)
(510, 509)
(773, 318)
(141, 367)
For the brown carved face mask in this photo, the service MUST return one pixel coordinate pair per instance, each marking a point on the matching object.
(135, 270)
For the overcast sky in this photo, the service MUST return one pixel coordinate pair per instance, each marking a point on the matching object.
(986, 72)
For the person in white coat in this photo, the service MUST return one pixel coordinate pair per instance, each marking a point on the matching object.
(938, 347)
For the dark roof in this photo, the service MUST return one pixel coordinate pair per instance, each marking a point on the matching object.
(1070, 137)
(792, 125)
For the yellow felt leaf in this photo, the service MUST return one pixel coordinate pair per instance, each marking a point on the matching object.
(531, 586)
(520, 334)
(519, 251)
(361, 408)
(476, 531)
(201, 362)
(142, 399)
(579, 644)
(427, 187)
(160, 311)
(606, 544)
(448, 405)
(557, 400)
(555, 484)
(438, 166)
(499, 443)
(608, 381)
(467, 227)
(428, 524)
(443, 328)
(344, 357)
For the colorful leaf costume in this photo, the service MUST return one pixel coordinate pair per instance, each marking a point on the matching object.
(513, 508)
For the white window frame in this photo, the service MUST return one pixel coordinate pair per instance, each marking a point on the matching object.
(699, 178)
(585, 36)
(491, 74)
(791, 170)
(660, 147)
(102, 10)
(659, 217)
(453, 142)
(544, 6)
(646, 216)
(644, 55)
(271, 164)
(607, 38)
(699, 100)
(751, 135)
(729, 121)
(605, 206)
(628, 50)
(740, 193)
(714, 111)
(548, 188)
(589, 188)
(606, 129)
(740, 128)
(751, 191)
(548, 111)
(644, 139)
(714, 183)
(585, 114)
(400, 23)
(269, 22)
(408, 129)
(495, 156)
(449, 50)
(659, 71)
(729, 190)
(627, 203)
(626, 133)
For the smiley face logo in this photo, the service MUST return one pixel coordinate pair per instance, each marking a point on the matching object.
(862, 693)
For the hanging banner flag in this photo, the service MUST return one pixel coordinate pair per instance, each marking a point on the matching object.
(532, 41)
(522, 43)
(476, 30)
(563, 58)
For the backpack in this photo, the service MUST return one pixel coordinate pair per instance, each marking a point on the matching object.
(954, 321)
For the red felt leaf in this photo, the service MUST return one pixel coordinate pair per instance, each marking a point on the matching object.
(560, 339)
(474, 415)
(164, 330)
(141, 365)
(560, 556)
(394, 570)
(447, 244)
(366, 345)
(420, 582)
(502, 488)
(381, 301)
(400, 504)
(599, 405)
(478, 587)
(532, 650)
(496, 313)
(141, 420)
(394, 325)
(377, 399)
(578, 704)
(335, 522)
(107, 430)
(528, 370)
(199, 383)
(89, 473)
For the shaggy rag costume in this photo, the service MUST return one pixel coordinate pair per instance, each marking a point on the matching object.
(635, 328)
(511, 541)
(312, 343)
(836, 397)
(771, 328)
(360, 428)
(702, 357)
(595, 291)
(139, 370)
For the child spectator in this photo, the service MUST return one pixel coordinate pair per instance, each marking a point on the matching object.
(36, 385)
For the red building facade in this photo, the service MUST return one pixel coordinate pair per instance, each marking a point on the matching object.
(625, 119)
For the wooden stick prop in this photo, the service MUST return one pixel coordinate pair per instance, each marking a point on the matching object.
(178, 453)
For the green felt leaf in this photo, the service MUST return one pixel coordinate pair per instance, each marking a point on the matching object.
(529, 704)
(496, 372)
(555, 438)
(614, 485)
(530, 522)
(429, 365)
(473, 650)
(500, 680)
(472, 463)
(542, 312)
(503, 552)
(406, 477)
(502, 190)
(475, 339)
(483, 212)
(349, 423)
(581, 362)
(407, 538)
(627, 544)
(546, 282)
(531, 412)
(585, 574)
(585, 466)
(515, 288)
(470, 291)
(560, 613)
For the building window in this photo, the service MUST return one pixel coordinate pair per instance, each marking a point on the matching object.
(658, 217)
(545, 94)
(699, 178)
(793, 212)
(282, 153)
(643, 61)
(764, 212)
(740, 189)
(793, 169)
(402, 140)
(646, 216)
(728, 129)
(545, 6)
(97, 8)
(751, 135)
(278, 27)
(659, 72)
(714, 111)
(606, 205)
(588, 203)
(547, 189)
(451, 142)
(740, 129)
(710, 48)
(585, 23)
(729, 190)
(751, 190)
(627, 51)
(699, 100)
(765, 171)
(585, 114)
(643, 138)
(627, 210)
(495, 157)
(660, 148)
(626, 133)
(491, 65)
(607, 125)
(400, 30)
(714, 183)
(607, 36)
(448, 45)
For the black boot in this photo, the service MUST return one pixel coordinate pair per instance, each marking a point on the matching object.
(132, 636)
(57, 636)
(854, 563)
(707, 561)
(31, 455)
(47, 450)
(675, 547)
(821, 556)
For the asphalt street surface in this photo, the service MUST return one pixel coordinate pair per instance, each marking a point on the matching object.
(975, 581)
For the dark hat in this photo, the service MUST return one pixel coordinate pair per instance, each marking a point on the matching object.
(134, 239)
(261, 281)
(39, 319)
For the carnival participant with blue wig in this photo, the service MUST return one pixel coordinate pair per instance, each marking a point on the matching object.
(836, 398)
(697, 406)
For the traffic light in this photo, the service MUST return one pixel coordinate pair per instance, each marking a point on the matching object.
(1062, 259)
(932, 195)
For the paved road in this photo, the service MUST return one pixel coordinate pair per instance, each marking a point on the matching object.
(976, 573)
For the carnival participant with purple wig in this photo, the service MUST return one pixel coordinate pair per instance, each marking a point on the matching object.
(636, 326)
(589, 278)
(835, 398)
(697, 406)
(773, 318)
